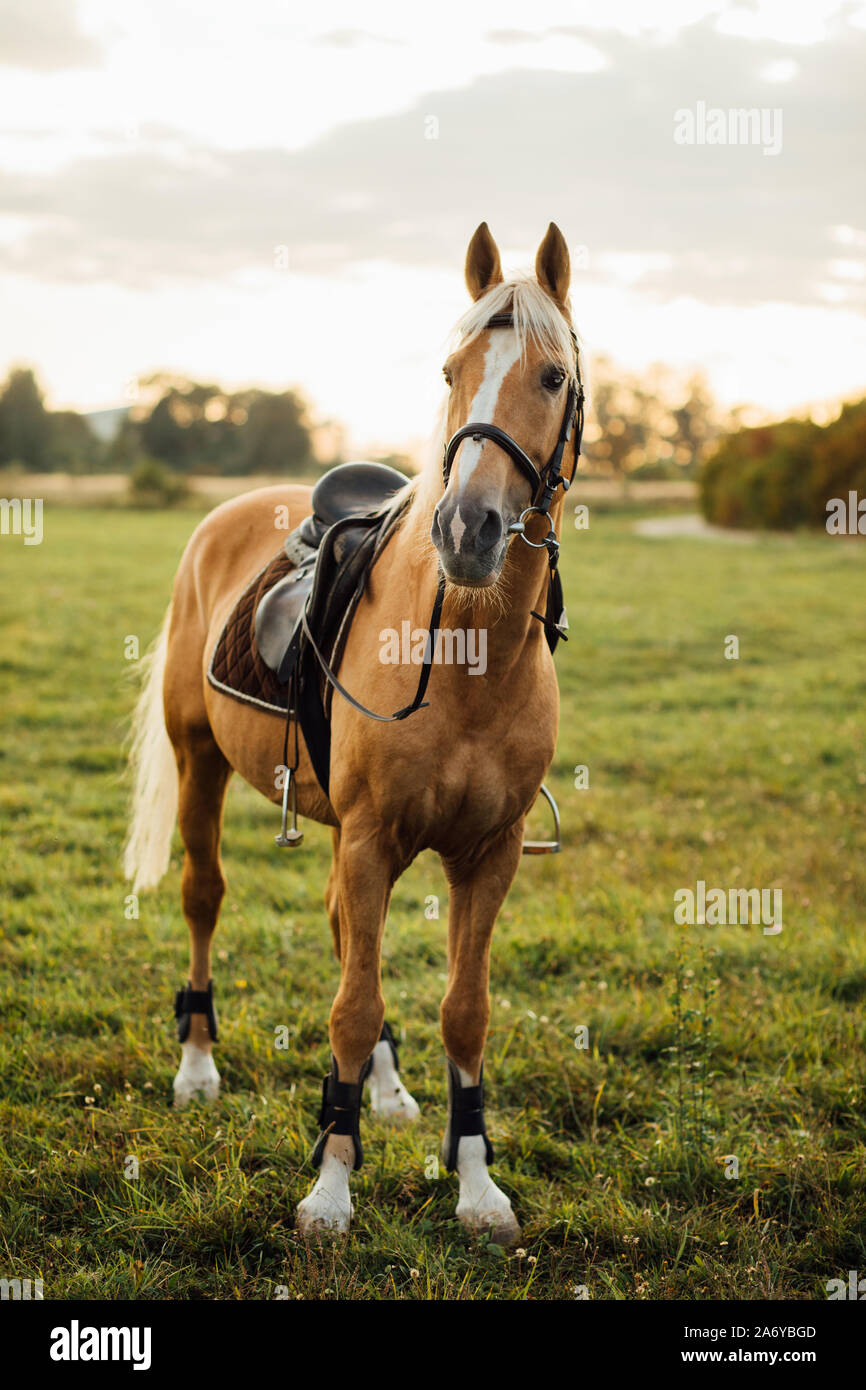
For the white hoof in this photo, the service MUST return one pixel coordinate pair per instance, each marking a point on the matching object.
(197, 1075)
(389, 1099)
(328, 1205)
(482, 1206)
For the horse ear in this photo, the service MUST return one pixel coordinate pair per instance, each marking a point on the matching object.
(483, 267)
(553, 265)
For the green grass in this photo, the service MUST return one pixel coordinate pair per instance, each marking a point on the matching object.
(743, 773)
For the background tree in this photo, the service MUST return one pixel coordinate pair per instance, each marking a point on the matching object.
(276, 436)
(655, 425)
(72, 445)
(199, 428)
(25, 429)
(785, 474)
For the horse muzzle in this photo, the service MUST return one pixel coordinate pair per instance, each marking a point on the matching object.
(471, 538)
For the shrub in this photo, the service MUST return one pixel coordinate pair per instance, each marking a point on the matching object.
(839, 463)
(782, 476)
(154, 484)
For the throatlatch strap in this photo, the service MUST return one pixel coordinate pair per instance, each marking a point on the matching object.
(341, 1111)
(465, 1117)
(190, 1001)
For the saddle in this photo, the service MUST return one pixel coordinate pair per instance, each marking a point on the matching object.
(309, 593)
(291, 624)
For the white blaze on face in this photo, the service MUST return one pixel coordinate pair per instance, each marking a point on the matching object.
(501, 355)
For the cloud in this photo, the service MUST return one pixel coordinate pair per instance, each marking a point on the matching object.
(592, 150)
(352, 38)
(43, 36)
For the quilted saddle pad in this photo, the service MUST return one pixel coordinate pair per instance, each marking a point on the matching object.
(236, 668)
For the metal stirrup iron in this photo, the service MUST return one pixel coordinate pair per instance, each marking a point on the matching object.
(290, 837)
(546, 846)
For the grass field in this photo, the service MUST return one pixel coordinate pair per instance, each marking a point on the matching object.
(704, 1042)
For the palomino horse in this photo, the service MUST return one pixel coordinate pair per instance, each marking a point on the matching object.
(458, 777)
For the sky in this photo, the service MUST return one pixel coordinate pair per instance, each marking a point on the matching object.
(282, 195)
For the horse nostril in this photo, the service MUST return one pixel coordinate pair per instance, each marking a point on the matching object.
(490, 531)
(436, 529)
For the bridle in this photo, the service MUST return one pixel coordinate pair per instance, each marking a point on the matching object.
(544, 483)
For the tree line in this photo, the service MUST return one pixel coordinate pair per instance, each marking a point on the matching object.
(654, 425)
(188, 427)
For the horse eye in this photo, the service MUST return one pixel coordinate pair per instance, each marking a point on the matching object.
(552, 378)
(447, 376)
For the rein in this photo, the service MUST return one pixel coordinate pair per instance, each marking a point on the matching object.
(426, 666)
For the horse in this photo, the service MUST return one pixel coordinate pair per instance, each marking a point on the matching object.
(457, 778)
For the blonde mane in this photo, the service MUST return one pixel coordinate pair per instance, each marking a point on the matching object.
(536, 318)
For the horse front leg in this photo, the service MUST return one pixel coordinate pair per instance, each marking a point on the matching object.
(389, 1099)
(477, 893)
(361, 890)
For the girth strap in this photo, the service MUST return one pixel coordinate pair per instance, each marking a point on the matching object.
(340, 1112)
(465, 1117)
(189, 1001)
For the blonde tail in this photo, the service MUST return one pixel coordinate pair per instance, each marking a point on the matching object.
(154, 772)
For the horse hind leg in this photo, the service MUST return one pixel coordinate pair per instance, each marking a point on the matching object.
(203, 775)
(389, 1099)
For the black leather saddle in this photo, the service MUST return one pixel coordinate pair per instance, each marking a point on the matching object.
(349, 489)
(333, 551)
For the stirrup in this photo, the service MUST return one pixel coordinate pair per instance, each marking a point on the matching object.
(293, 837)
(546, 846)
